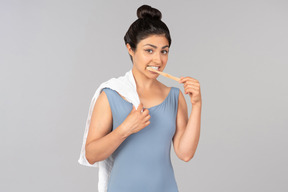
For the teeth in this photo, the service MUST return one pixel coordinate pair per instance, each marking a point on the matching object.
(154, 67)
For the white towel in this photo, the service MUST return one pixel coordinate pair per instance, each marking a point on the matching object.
(125, 86)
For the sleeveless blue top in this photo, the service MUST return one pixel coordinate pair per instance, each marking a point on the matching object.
(142, 162)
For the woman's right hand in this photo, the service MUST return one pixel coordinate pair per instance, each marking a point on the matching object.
(136, 120)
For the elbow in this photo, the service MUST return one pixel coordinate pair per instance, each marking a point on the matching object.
(187, 158)
(93, 158)
(87, 156)
(89, 159)
(91, 162)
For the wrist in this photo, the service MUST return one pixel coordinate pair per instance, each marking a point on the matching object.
(122, 131)
(197, 105)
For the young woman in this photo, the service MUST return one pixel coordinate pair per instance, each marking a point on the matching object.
(140, 140)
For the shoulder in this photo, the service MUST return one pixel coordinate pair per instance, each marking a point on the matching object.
(176, 90)
(107, 90)
(110, 93)
(102, 108)
(102, 100)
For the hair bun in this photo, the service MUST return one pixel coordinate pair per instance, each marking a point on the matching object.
(146, 11)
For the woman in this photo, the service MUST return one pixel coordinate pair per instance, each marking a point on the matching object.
(140, 139)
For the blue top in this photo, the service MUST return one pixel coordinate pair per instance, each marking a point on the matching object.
(142, 162)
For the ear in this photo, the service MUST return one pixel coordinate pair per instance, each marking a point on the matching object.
(130, 50)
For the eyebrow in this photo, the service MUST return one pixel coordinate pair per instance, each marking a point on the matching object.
(156, 46)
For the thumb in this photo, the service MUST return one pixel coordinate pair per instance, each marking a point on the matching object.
(180, 79)
(133, 108)
(140, 107)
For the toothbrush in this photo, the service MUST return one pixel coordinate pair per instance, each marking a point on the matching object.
(162, 73)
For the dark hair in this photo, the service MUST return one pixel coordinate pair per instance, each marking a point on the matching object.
(148, 23)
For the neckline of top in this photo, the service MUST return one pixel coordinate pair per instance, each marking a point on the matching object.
(154, 105)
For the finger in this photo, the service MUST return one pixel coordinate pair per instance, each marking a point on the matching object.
(145, 112)
(191, 90)
(187, 79)
(189, 84)
(133, 108)
(180, 79)
(192, 82)
(140, 107)
(187, 90)
(147, 118)
(147, 123)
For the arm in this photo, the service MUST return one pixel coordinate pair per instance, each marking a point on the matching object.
(187, 133)
(101, 141)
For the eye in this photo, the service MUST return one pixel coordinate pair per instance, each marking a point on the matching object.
(149, 51)
(164, 52)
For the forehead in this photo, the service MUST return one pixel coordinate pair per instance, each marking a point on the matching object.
(158, 40)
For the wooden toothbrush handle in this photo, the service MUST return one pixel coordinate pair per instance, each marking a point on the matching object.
(164, 74)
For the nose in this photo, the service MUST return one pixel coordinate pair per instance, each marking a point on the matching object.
(157, 58)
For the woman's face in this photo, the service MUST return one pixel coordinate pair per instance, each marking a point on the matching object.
(151, 51)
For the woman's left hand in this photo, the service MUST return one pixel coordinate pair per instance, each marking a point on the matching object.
(192, 87)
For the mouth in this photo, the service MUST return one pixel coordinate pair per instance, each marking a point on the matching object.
(154, 67)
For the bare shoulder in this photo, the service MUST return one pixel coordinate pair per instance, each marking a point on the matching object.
(102, 98)
(101, 119)
(101, 103)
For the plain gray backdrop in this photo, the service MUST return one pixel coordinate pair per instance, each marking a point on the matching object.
(55, 53)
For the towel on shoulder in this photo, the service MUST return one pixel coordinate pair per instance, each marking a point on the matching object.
(125, 86)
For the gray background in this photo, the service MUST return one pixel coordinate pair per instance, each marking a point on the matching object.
(54, 54)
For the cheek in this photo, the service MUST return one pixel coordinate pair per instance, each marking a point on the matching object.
(145, 58)
(164, 58)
